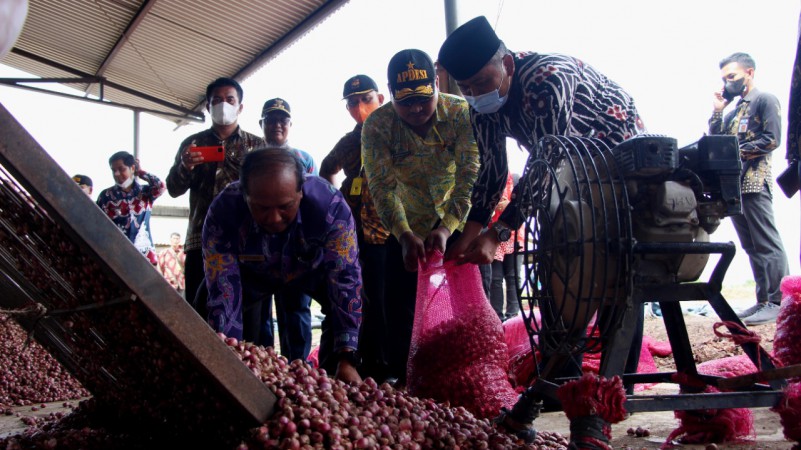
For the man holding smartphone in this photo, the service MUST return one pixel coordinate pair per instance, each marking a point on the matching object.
(203, 179)
(756, 122)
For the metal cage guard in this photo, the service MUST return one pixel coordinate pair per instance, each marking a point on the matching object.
(590, 264)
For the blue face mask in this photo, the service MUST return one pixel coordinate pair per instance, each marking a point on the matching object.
(488, 103)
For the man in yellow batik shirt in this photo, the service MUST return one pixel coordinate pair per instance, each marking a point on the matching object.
(421, 159)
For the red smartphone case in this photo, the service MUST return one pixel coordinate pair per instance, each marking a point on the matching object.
(211, 153)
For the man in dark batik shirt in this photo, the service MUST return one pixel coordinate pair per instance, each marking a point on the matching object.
(525, 96)
(756, 122)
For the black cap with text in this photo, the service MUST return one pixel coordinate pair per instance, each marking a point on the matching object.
(411, 74)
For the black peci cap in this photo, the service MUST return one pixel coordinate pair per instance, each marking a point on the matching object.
(411, 74)
(469, 48)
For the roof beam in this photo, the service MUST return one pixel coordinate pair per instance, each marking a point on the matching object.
(189, 113)
(129, 30)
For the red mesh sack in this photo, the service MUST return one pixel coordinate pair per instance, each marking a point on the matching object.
(314, 357)
(458, 354)
(787, 341)
(522, 370)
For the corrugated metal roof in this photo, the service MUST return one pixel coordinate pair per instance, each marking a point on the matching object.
(158, 55)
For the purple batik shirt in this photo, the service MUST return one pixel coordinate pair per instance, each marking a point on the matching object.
(318, 247)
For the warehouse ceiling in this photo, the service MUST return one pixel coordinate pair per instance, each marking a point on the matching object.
(155, 56)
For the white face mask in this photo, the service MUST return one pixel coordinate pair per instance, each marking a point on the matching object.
(490, 102)
(224, 113)
(126, 184)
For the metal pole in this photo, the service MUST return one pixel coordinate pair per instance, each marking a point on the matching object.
(451, 13)
(136, 134)
(446, 82)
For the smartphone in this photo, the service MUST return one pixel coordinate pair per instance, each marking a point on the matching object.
(726, 96)
(211, 153)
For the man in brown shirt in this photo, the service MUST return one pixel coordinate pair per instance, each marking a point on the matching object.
(362, 97)
(203, 179)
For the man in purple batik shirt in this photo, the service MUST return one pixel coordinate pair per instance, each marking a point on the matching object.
(276, 231)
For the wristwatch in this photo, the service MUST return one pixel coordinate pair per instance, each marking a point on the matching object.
(352, 357)
(502, 232)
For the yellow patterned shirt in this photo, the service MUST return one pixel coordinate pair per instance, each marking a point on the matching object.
(419, 182)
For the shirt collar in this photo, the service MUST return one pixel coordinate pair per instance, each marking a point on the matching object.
(752, 93)
(238, 133)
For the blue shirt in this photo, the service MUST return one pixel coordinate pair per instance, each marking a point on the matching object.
(308, 161)
(241, 260)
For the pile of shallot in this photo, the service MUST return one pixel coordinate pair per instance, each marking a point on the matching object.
(29, 374)
(313, 411)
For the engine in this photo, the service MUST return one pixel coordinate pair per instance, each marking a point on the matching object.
(678, 195)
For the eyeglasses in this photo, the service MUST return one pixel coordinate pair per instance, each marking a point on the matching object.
(354, 101)
(274, 121)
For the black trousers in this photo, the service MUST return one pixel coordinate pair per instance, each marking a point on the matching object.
(373, 332)
(400, 299)
(761, 241)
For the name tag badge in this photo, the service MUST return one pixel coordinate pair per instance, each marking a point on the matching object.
(356, 187)
(251, 258)
(743, 125)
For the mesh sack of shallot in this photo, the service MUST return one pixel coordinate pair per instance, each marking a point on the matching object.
(458, 354)
(787, 341)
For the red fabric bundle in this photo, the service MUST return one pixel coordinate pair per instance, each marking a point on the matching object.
(592, 403)
(787, 341)
(458, 353)
(594, 395)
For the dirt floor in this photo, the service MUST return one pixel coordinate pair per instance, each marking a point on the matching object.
(705, 345)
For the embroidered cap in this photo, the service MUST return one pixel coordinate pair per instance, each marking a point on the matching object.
(275, 104)
(82, 180)
(411, 74)
(358, 85)
(469, 48)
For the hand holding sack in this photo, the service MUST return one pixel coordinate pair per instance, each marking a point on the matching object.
(458, 353)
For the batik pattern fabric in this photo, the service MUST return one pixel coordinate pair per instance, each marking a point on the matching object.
(419, 182)
(756, 121)
(320, 246)
(550, 94)
(130, 211)
(171, 266)
(206, 180)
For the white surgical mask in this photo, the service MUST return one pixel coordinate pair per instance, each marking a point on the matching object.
(488, 103)
(223, 113)
(126, 184)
